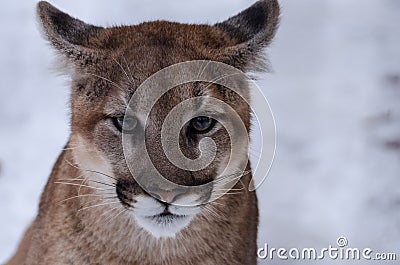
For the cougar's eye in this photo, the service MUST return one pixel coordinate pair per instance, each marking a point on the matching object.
(125, 125)
(201, 124)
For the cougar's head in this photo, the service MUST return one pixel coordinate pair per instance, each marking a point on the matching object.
(159, 111)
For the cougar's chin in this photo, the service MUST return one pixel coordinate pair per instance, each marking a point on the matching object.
(161, 220)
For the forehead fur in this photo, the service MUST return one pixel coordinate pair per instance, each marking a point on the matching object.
(165, 34)
(124, 67)
(119, 59)
(237, 41)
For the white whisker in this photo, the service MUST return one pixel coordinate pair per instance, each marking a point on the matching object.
(82, 195)
(74, 184)
(123, 70)
(108, 80)
(97, 205)
(115, 216)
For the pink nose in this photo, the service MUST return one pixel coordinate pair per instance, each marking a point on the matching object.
(165, 196)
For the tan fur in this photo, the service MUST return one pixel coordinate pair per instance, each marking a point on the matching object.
(108, 64)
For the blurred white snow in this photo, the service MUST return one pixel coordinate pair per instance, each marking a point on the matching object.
(335, 94)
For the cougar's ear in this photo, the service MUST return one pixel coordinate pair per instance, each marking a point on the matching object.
(71, 37)
(253, 29)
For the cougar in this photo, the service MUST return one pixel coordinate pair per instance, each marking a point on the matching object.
(97, 206)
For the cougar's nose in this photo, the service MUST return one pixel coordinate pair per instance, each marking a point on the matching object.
(166, 196)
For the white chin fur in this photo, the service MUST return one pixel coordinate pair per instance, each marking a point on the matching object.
(166, 227)
(146, 213)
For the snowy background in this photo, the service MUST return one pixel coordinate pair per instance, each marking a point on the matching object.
(335, 94)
